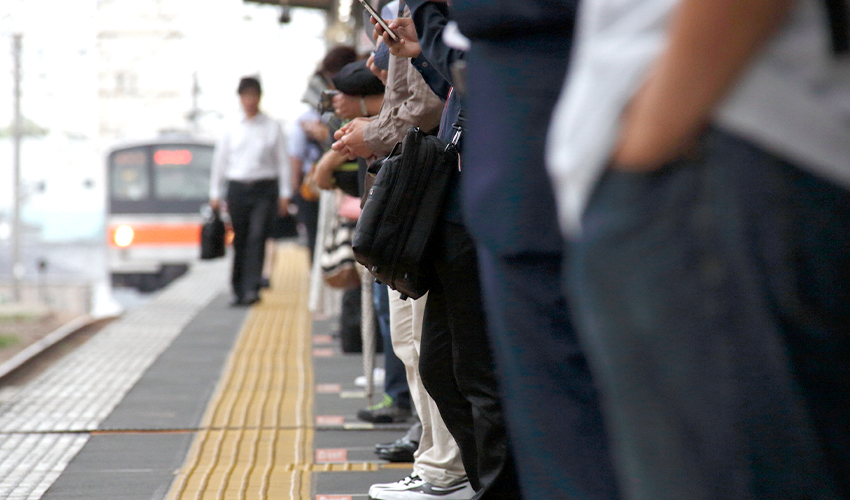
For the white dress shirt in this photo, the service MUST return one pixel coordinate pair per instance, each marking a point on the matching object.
(253, 149)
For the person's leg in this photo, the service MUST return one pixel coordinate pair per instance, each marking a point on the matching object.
(437, 459)
(263, 210)
(456, 277)
(239, 208)
(797, 233)
(351, 339)
(309, 214)
(436, 369)
(697, 388)
(268, 264)
(395, 379)
(551, 404)
(395, 407)
(438, 471)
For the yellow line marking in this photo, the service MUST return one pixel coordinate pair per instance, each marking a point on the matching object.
(256, 438)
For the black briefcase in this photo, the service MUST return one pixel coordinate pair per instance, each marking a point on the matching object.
(401, 210)
(212, 237)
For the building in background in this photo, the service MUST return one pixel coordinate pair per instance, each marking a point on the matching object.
(96, 72)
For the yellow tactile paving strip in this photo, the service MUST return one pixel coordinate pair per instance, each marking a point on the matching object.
(257, 436)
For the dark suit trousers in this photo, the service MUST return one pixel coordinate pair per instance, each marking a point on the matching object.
(457, 367)
(252, 207)
(551, 404)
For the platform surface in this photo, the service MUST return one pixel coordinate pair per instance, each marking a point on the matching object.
(188, 398)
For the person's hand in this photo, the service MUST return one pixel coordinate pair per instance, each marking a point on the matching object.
(316, 130)
(215, 204)
(408, 44)
(347, 106)
(647, 140)
(380, 73)
(323, 169)
(350, 141)
(283, 207)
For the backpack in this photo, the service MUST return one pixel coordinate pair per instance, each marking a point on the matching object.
(401, 210)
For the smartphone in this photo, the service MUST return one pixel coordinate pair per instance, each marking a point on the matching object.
(380, 20)
(326, 101)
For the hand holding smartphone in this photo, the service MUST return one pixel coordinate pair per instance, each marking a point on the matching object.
(379, 19)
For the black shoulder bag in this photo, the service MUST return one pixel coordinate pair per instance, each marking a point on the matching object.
(402, 209)
(212, 236)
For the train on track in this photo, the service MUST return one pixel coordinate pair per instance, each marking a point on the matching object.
(157, 190)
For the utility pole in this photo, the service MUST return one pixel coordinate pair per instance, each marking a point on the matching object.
(17, 132)
(195, 114)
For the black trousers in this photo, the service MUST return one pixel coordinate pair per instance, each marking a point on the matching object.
(457, 369)
(252, 207)
(308, 215)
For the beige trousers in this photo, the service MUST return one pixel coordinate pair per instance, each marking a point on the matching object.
(438, 458)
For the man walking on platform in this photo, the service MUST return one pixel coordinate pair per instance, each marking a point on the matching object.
(251, 157)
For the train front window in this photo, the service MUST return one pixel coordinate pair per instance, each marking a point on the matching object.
(129, 175)
(182, 172)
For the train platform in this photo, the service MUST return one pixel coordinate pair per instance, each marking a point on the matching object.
(187, 398)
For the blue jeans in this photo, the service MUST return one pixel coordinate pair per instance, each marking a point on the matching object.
(713, 298)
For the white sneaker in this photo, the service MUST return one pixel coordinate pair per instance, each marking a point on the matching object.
(398, 485)
(415, 488)
(378, 376)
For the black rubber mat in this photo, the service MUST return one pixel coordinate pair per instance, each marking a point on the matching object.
(138, 464)
(174, 392)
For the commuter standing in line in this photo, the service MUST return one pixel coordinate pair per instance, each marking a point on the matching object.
(514, 74)
(306, 146)
(251, 157)
(701, 159)
(438, 471)
(456, 362)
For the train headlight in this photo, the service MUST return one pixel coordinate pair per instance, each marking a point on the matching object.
(124, 236)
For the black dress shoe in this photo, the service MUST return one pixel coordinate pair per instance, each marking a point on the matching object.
(413, 434)
(265, 283)
(246, 300)
(250, 298)
(401, 451)
(403, 448)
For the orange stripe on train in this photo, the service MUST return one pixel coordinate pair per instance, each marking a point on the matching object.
(162, 234)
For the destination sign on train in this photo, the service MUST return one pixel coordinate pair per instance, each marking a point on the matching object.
(172, 157)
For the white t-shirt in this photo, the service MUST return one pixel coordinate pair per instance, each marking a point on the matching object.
(793, 100)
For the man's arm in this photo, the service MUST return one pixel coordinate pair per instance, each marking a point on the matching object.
(349, 107)
(296, 167)
(284, 168)
(349, 139)
(430, 18)
(219, 164)
(422, 38)
(710, 45)
(323, 170)
(408, 47)
(421, 108)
